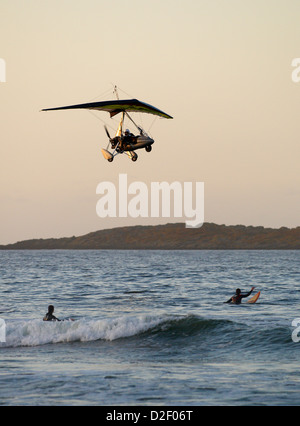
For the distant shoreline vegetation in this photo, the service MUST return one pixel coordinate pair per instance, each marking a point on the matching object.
(172, 237)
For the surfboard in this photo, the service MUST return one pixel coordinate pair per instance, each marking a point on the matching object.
(254, 298)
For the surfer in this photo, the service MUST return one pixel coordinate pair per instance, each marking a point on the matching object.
(237, 298)
(49, 315)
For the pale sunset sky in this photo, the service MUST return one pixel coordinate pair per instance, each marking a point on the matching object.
(221, 68)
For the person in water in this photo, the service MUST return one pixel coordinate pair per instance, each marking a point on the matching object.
(49, 315)
(237, 298)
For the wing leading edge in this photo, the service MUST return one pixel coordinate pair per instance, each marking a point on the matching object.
(117, 106)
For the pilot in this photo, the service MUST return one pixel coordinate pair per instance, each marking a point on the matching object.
(128, 138)
(128, 134)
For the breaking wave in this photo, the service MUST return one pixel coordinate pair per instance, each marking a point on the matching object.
(36, 332)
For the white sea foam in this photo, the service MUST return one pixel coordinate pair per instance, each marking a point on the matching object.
(37, 332)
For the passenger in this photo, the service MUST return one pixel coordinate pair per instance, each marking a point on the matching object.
(127, 139)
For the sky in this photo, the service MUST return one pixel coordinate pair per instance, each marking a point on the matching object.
(221, 68)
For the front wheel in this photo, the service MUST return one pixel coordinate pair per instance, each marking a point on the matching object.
(110, 159)
(134, 157)
(148, 148)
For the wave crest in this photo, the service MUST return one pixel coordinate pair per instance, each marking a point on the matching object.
(166, 327)
(37, 332)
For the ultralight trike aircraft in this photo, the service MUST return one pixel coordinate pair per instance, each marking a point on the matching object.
(123, 141)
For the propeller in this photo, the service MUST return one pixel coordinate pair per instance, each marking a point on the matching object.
(110, 140)
(107, 132)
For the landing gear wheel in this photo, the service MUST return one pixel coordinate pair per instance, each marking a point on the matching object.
(134, 157)
(148, 148)
(110, 159)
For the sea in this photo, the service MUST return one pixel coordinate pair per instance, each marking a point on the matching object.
(149, 328)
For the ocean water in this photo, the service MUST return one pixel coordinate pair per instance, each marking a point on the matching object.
(150, 328)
